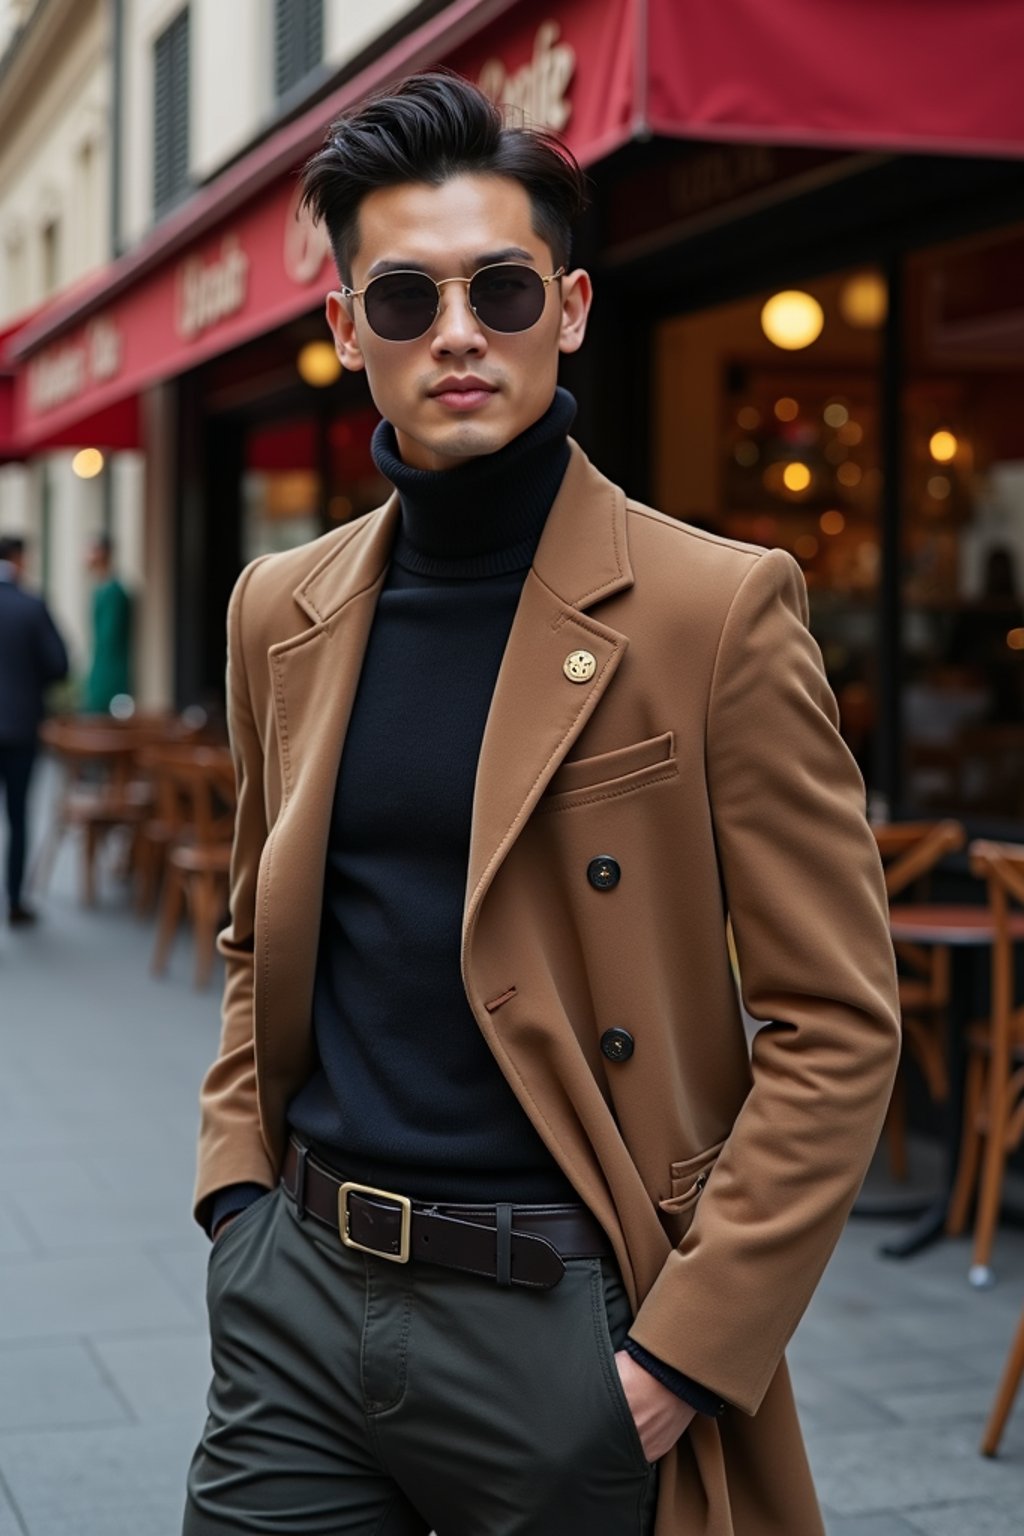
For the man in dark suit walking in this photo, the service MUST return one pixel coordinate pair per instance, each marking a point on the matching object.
(32, 655)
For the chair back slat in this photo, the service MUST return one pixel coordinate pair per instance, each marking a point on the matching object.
(1001, 866)
(912, 849)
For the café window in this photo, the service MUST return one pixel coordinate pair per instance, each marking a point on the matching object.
(963, 539)
(777, 443)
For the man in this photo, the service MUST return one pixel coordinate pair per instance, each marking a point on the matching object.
(110, 668)
(32, 655)
(511, 750)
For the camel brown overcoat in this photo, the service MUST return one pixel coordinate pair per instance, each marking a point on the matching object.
(703, 755)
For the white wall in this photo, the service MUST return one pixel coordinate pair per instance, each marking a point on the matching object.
(349, 27)
(13, 14)
(54, 157)
(144, 20)
(231, 42)
(232, 81)
(54, 166)
(154, 614)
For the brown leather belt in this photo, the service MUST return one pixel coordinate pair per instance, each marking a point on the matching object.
(512, 1244)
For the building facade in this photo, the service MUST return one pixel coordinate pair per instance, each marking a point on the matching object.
(55, 86)
(738, 155)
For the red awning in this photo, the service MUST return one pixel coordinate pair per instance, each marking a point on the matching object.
(912, 76)
(233, 262)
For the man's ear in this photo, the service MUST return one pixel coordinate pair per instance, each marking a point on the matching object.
(577, 297)
(343, 328)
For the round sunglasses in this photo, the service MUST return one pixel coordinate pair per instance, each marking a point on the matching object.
(505, 297)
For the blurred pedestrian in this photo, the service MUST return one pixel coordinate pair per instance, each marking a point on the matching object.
(32, 655)
(110, 670)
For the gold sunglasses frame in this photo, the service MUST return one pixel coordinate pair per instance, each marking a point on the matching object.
(439, 283)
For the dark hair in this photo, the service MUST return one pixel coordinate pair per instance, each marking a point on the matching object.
(103, 545)
(430, 128)
(12, 546)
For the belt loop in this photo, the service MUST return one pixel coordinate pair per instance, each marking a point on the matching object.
(300, 1183)
(503, 1268)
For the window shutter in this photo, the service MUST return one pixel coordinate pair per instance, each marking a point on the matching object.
(298, 41)
(170, 112)
(313, 35)
(283, 34)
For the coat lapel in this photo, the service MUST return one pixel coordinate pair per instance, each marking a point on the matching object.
(536, 711)
(314, 675)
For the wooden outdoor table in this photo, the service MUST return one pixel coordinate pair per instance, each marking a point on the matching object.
(967, 930)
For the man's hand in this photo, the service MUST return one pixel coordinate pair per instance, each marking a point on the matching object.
(660, 1416)
(223, 1225)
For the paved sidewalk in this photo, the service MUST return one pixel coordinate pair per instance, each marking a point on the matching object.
(103, 1362)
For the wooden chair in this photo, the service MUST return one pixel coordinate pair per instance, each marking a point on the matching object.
(160, 734)
(99, 793)
(910, 851)
(1009, 1383)
(199, 792)
(994, 1090)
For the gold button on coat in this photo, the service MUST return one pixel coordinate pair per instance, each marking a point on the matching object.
(579, 666)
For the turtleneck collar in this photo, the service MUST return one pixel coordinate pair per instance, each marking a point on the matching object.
(485, 517)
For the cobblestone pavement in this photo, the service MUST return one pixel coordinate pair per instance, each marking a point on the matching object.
(103, 1355)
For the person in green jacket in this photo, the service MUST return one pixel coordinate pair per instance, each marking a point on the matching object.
(110, 669)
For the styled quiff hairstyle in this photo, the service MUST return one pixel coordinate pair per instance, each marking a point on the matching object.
(428, 129)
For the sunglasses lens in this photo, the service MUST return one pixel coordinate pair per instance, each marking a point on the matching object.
(507, 297)
(401, 305)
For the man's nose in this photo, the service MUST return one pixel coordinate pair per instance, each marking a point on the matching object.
(456, 328)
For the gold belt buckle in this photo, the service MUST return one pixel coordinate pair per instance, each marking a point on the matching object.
(403, 1201)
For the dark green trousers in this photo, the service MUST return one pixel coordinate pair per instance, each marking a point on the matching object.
(356, 1397)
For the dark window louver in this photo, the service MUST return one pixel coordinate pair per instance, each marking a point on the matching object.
(170, 112)
(298, 41)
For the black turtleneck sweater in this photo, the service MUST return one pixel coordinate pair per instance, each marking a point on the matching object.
(406, 1093)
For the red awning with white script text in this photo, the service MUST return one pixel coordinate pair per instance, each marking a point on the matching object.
(233, 262)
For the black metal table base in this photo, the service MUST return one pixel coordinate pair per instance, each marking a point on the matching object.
(927, 1229)
(930, 1224)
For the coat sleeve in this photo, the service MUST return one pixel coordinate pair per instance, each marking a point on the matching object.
(51, 651)
(805, 892)
(231, 1146)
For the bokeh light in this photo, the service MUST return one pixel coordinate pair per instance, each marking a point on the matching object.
(87, 463)
(792, 319)
(943, 446)
(796, 476)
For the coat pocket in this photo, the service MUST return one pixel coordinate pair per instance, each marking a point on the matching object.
(610, 767)
(687, 1179)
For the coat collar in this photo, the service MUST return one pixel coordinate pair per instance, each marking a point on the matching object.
(582, 556)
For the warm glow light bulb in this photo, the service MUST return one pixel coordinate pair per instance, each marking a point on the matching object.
(864, 300)
(942, 446)
(87, 463)
(318, 364)
(792, 319)
(796, 477)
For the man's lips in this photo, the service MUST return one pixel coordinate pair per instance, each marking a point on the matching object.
(463, 394)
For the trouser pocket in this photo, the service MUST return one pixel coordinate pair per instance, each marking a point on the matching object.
(612, 1317)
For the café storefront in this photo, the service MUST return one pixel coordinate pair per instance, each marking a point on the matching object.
(737, 153)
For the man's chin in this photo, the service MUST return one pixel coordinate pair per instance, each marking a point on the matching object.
(446, 449)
